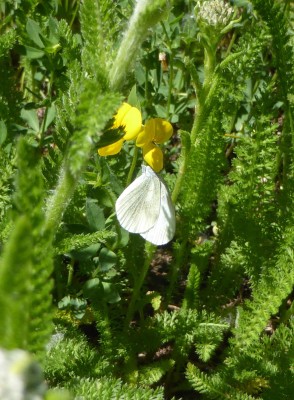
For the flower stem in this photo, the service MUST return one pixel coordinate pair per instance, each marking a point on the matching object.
(133, 166)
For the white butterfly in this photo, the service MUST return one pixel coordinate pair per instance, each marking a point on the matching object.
(145, 207)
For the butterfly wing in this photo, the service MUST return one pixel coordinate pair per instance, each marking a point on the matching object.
(137, 208)
(164, 229)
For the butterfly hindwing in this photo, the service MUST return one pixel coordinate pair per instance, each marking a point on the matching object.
(164, 228)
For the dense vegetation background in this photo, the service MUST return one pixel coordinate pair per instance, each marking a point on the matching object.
(108, 316)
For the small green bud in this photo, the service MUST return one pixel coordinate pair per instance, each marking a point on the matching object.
(53, 49)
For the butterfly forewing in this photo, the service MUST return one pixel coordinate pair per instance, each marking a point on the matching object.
(137, 208)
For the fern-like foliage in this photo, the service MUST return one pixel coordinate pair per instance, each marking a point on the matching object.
(88, 105)
(278, 354)
(102, 23)
(76, 242)
(153, 372)
(10, 97)
(275, 16)
(6, 183)
(6, 42)
(34, 326)
(249, 214)
(278, 18)
(274, 286)
(188, 330)
(192, 289)
(67, 352)
(15, 283)
(213, 387)
(30, 203)
(221, 315)
(110, 388)
(206, 161)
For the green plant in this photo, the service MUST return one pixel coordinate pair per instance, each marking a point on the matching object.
(106, 313)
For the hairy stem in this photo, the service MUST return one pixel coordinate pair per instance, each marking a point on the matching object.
(59, 200)
(146, 14)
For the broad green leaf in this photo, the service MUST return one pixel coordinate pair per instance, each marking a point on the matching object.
(33, 53)
(110, 293)
(85, 253)
(95, 216)
(91, 288)
(30, 116)
(77, 305)
(124, 238)
(107, 259)
(133, 98)
(34, 31)
(51, 113)
(53, 30)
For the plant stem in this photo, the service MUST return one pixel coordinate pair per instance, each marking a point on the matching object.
(181, 253)
(202, 110)
(133, 166)
(207, 92)
(197, 85)
(42, 134)
(59, 200)
(74, 13)
(170, 84)
(146, 14)
(149, 252)
(183, 165)
(171, 70)
(204, 97)
(70, 268)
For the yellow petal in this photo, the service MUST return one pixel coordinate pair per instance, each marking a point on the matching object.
(144, 137)
(162, 129)
(111, 149)
(119, 116)
(130, 119)
(153, 156)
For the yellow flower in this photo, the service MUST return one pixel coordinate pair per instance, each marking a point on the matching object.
(156, 131)
(130, 119)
